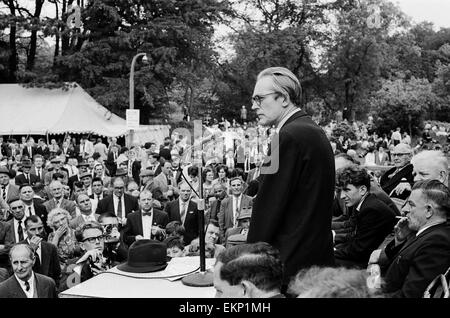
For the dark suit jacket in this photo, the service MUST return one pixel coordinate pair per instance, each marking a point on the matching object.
(26, 153)
(293, 207)
(389, 184)
(45, 287)
(418, 262)
(374, 221)
(43, 152)
(134, 224)
(72, 180)
(20, 179)
(4, 274)
(190, 222)
(107, 205)
(49, 261)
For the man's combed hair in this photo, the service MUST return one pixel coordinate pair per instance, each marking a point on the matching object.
(436, 192)
(354, 175)
(258, 263)
(285, 82)
(328, 282)
(86, 226)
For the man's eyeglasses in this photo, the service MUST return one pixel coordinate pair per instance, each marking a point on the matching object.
(399, 154)
(92, 240)
(17, 207)
(259, 98)
(119, 188)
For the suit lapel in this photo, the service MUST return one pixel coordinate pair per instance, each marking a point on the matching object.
(17, 289)
(45, 258)
(140, 228)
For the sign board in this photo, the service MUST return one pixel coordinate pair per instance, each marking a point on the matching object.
(132, 118)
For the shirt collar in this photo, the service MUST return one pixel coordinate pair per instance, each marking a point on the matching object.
(427, 227)
(285, 119)
(30, 281)
(361, 202)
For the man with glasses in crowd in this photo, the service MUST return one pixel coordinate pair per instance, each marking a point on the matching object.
(397, 182)
(293, 208)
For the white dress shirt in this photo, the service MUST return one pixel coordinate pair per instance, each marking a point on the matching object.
(30, 292)
(236, 207)
(27, 209)
(147, 221)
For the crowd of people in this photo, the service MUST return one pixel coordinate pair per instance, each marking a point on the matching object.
(71, 210)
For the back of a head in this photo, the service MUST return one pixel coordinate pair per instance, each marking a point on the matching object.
(258, 263)
(329, 282)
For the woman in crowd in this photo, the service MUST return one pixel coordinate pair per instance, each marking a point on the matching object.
(63, 237)
(222, 176)
(208, 178)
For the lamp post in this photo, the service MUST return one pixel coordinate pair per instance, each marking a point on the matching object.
(133, 63)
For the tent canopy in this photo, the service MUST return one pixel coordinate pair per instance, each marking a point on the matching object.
(41, 111)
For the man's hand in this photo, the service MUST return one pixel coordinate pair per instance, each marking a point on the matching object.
(401, 231)
(34, 242)
(401, 187)
(374, 257)
(95, 254)
(138, 237)
(157, 230)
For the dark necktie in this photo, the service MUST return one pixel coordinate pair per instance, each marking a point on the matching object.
(27, 286)
(20, 231)
(39, 174)
(29, 211)
(26, 178)
(98, 197)
(4, 192)
(37, 263)
(119, 208)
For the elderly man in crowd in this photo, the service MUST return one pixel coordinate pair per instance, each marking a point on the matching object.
(118, 202)
(58, 200)
(418, 260)
(25, 283)
(32, 205)
(397, 182)
(248, 271)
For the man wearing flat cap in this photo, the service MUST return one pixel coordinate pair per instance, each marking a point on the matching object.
(82, 168)
(26, 177)
(397, 182)
(240, 232)
(57, 168)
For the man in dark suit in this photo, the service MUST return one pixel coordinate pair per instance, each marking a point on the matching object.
(185, 211)
(32, 206)
(38, 168)
(147, 223)
(25, 283)
(46, 258)
(397, 182)
(220, 194)
(30, 149)
(164, 150)
(42, 149)
(26, 177)
(82, 168)
(417, 260)
(111, 161)
(293, 208)
(118, 202)
(374, 220)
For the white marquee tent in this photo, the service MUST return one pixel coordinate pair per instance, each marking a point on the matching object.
(41, 111)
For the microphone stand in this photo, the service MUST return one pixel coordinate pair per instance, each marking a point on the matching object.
(202, 278)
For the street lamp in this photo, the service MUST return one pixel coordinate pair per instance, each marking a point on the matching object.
(133, 63)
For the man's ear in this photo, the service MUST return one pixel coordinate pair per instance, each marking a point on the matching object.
(249, 288)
